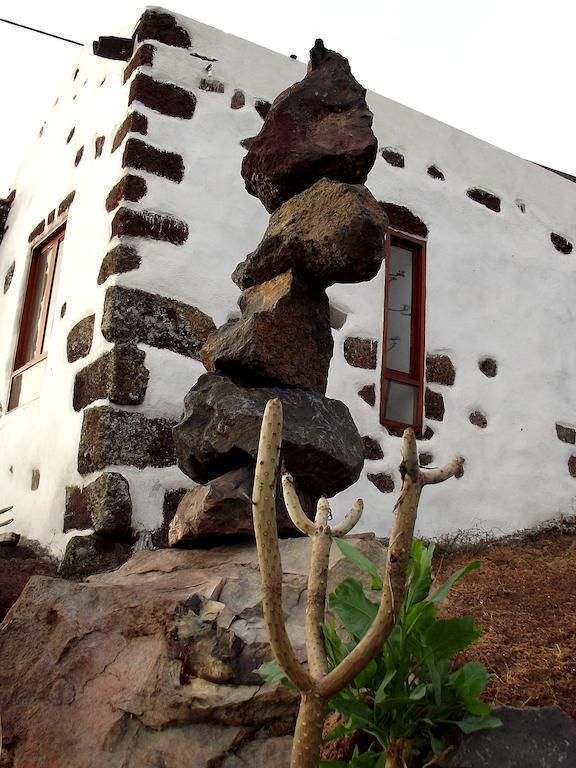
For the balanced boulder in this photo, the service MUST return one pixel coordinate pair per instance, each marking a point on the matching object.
(319, 127)
(331, 233)
(219, 432)
(283, 337)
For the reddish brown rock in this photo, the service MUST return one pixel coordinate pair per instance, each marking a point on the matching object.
(332, 233)
(121, 258)
(566, 434)
(283, 337)
(130, 187)
(382, 481)
(144, 57)
(484, 198)
(433, 405)
(318, 128)
(368, 394)
(166, 98)
(142, 156)
(155, 25)
(478, 419)
(130, 223)
(99, 145)
(66, 203)
(238, 99)
(211, 85)
(17, 566)
(219, 432)
(134, 123)
(372, 448)
(402, 218)
(440, 370)
(361, 353)
(118, 375)
(393, 157)
(79, 155)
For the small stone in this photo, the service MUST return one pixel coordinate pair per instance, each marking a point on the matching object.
(142, 156)
(144, 57)
(128, 222)
(69, 137)
(37, 231)
(393, 157)
(435, 172)
(424, 459)
(122, 258)
(211, 85)
(238, 99)
(104, 505)
(8, 276)
(368, 394)
(484, 198)
(78, 157)
(165, 98)
(66, 203)
(403, 219)
(561, 244)
(361, 353)
(572, 466)
(155, 25)
(488, 366)
(372, 449)
(130, 187)
(332, 232)
(79, 342)
(478, 419)
(433, 405)
(566, 434)
(99, 145)
(382, 481)
(134, 123)
(35, 481)
(440, 370)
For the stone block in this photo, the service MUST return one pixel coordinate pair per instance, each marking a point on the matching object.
(153, 226)
(156, 25)
(440, 370)
(166, 98)
(80, 337)
(135, 122)
(361, 353)
(118, 375)
(433, 405)
(485, 198)
(103, 504)
(130, 187)
(144, 157)
(121, 258)
(403, 219)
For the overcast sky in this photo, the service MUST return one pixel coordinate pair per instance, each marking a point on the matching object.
(502, 70)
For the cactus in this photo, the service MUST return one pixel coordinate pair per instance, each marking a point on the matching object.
(317, 685)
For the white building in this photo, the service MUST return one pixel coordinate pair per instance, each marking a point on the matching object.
(127, 218)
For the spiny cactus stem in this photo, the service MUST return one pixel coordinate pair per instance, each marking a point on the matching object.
(294, 507)
(264, 513)
(316, 599)
(308, 732)
(350, 520)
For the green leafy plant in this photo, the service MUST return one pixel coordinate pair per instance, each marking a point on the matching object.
(409, 697)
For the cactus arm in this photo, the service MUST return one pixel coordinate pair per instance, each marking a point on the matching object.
(264, 513)
(346, 525)
(432, 476)
(294, 507)
(308, 732)
(317, 584)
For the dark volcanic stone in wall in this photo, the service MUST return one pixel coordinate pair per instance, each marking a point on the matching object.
(110, 436)
(130, 187)
(134, 123)
(561, 244)
(435, 173)
(104, 505)
(144, 57)
(440, 370)
(162, 97)
(368, 394)
(424, 459)
(382, 481)
(86, 555)
(155, 226)
(478, 419)
(566, 434)
(35, 480)
(99, 145)
(37, 231)
(402, 218)
(393, 157)
(79, 340)
(488, 366)
(372, 448)
(172, 499)
(122, 258)
(361, 353)
(332, 232)
(118, 375)
(219, 432)
(5, 205)
(51, 216)
(238, 99)
(433, 405)
(572, 466)
(262, 107)
(138, 154)
(164, 28)
(9, 275)
(484, 198)
(287, 156)
(283, 337)
(78, 157)
(211, 85)
(135, 316)
(66, 203)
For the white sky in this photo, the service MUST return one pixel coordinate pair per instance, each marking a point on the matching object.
(502, 70)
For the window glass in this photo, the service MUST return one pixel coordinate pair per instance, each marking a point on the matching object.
(34, 305)
(400, 402)
(399, 325)
(53, 294)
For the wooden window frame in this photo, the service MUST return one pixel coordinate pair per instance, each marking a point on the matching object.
(417, 335)
(53, 239)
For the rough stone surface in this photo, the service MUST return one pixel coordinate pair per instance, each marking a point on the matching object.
(238, 99)
(532, 737)
(400, 217)
(86, 555)
(283, 337)
(223, 509)
(8, 276)
(144, 57)
(372, 448)
(110, 436)
(130, 187)
(211, 85)
(424, 459)
(131, 315)
(361, 353)
(153, 664)
(337, 317)
(122, 258)
(435, 173)
(332, 232)
(484, 198)
(262, 107)
(104, 505)
(35, 480)
(166, 98)
(318, 128)
(66, 203)
(433, 405)
(70, 135)
(172, 499)
(561, 244)
(368, 394)
(488, 366)
(163, 27)
(566, 434)
(37, 231)
(78, 157)
(440, 370)
(393, 157)
(155, 226)
(478, 419)
(572, 466)
(80, 338)
(99, 145)
(142, 156)
(220, 429)
(134, 123)
(9, 539)
(5, 205)
(382, 481)
(118, 375)
(17, 565)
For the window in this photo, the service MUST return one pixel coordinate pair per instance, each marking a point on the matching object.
(401, 402)
(37, 320)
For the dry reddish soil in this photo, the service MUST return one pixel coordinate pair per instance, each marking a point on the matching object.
(524, 596)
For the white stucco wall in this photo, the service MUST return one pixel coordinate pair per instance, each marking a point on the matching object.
(495, 286)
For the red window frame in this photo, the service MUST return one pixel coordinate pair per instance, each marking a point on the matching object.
(416, 375)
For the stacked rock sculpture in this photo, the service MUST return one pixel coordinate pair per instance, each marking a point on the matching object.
(307, 166)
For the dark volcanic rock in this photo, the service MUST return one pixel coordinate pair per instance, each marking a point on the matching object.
(332, 232)
(221, 424)
(104, 505)
(319, 127)
(86, 555)
(283, 337)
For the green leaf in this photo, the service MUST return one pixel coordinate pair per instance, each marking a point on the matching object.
(443, 591)
(419, 573)
(381, 691)
(471, 724)
(445, 637)
(360, 561)
(352, 607)
(272, 672)
(349, 708)
(418, 693)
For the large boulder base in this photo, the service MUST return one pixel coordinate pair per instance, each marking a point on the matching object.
(220, 430)
(283, 337)
(319, 127)
(332, 233)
